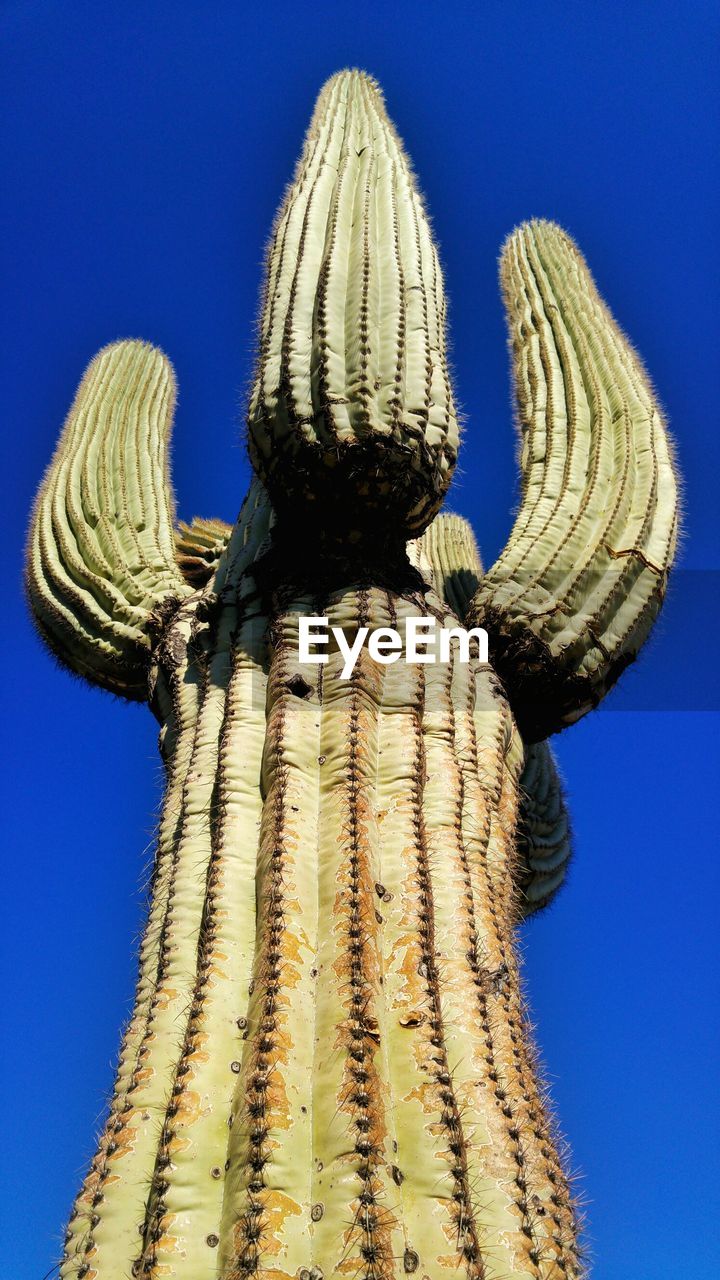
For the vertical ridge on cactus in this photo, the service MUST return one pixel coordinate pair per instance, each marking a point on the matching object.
(328, 1070)
(199, 547)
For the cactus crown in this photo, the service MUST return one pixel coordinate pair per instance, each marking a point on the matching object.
(351, 420)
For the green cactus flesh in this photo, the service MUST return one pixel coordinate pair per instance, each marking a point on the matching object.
(328, 1069)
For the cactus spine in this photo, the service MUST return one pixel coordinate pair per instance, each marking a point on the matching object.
(328, 1069)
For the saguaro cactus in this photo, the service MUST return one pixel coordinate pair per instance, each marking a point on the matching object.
(328, 1070)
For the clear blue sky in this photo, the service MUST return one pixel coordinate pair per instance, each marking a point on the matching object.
(145, 148)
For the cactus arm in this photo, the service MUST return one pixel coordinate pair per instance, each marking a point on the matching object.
(572, 597)
(543, 836)
(101, 551)
(352, 414)
(199, 546)
(448, 545)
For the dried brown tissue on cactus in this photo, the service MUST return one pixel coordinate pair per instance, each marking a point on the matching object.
(328, 1069)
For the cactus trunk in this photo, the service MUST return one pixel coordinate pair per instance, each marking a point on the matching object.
(327, 1071)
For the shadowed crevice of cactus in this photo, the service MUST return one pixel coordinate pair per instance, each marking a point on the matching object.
(328, 1070)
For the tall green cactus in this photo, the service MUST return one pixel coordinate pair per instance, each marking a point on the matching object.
(328, 1070)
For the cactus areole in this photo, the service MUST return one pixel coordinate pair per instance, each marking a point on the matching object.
(328, 1070)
